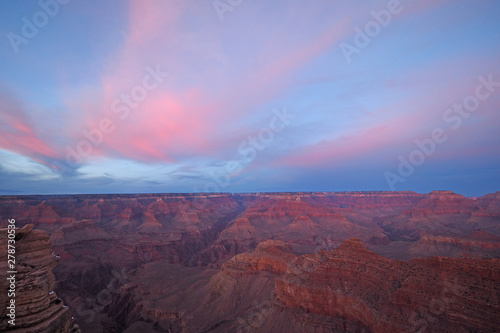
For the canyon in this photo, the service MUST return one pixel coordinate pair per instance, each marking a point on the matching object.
(266, 262)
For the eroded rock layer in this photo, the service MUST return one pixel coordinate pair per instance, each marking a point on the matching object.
(37, 307)
(347, 289)
(118, 249)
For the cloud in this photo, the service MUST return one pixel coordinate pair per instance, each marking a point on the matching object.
(20, 166)
(225, 78)
(17, 133)
(190, 113)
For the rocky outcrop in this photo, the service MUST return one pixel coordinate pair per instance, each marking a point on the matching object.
(269, 256)
(347, 289)
(37, 307)
(477, 244)
(100, 236)
(432, 294)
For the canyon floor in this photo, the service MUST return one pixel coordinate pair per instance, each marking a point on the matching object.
(261, 262)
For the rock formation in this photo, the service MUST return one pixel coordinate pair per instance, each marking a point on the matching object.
(347, 289)
(379, 295)
(37, 307)
(231, 251)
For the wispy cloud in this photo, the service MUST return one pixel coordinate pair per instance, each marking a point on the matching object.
(225, 77)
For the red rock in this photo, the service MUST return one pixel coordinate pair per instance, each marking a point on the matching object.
(37, 307)
(217, 235)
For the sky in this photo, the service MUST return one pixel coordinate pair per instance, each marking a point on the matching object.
(249, 96)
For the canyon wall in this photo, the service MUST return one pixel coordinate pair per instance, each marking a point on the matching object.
(37, 307)
(108, 244)
(347, 289)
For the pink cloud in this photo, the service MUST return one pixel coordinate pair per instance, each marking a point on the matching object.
(364, 142)
(17, 133)
(190, 117)
(412, 118)
(190, 114)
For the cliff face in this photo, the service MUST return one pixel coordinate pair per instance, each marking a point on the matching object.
(477, 244)
(37, 307)
(433, 294)
(347, 289)
(107, 242)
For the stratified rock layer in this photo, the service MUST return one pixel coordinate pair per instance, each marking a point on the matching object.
(37, 307)
(347, 289)
(434, 294)
(228, 251)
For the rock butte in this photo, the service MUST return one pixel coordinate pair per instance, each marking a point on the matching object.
(37, 307)
(271, 262)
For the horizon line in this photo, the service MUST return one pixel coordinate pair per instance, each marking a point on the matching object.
(235, 193)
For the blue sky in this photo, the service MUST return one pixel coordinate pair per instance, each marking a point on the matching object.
(145, 96)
